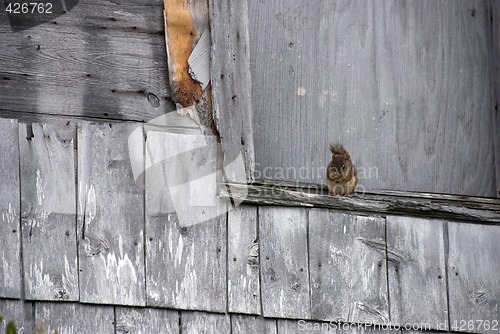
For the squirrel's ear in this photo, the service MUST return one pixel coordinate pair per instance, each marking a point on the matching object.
(337, 149)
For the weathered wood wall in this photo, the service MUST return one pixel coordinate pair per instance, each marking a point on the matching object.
(407, 86)
(93, 236)
(397, 84)
(112, 63)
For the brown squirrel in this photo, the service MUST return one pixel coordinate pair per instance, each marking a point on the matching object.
(340, 174)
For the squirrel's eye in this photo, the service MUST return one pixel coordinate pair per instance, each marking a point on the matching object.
(343, 167)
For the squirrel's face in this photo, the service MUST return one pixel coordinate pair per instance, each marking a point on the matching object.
(339, 169)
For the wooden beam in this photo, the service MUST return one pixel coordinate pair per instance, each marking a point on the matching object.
(231, 83)
(476, 209)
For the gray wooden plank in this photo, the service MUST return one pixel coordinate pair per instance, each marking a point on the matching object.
(403, 102)
(231, 83)
(347, 267)
(146, 320)
(201, 322)
(284, 262)
(18, 311)
(473, 271)
(196, 260)
(10, 253)
(69, 318)
(48, 204)
(243, 281)
(495, 54)
(242, 324)
(110, 217)
(185, 223)
(416, 262)
(270, 192)
(101, 59)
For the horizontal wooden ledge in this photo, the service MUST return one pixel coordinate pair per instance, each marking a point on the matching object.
(385, 202)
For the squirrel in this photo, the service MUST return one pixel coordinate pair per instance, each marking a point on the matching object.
(341, 177)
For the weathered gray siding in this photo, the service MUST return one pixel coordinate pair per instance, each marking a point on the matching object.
(48, 205)
(110, 217)
(407, 86)
(10, 211)
(101, 59)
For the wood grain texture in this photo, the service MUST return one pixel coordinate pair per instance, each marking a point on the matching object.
(243, 281)
(185, 22)
(10, 208)
(20, 312)
(110, 217)
(146, 321)
(495, 55)
(477, 209)
(284, 262)
(185, 223)
(186, 266)
(473, 271)
(231, 83)
(417, 271)
(405, 86)
(347, 267)
(69, 318)
(201, 322)
(242, 324)
(48, 205)
(101, 59)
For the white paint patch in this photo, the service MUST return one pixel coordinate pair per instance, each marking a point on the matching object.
(91, 207)
(8, 278)
(39, 188)
(301, 91)
(40, 284)
(121, 277)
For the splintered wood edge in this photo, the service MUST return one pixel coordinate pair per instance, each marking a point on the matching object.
(425, 205)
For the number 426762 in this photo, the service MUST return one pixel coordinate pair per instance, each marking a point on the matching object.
(29, 7)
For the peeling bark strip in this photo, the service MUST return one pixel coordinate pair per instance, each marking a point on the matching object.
(182, 31)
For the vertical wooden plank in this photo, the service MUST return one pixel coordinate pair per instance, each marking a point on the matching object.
(48, 204)
(473, 277)
(243, 282)
(186, 266)
(495, 55)
(201, 322)
(10, 252)
(20, 312)
(185, 224)
(146, 321)
(231, 82)
(348, 267)
(406, 74)
(284, 265)
(70, 318)
(242, 324)
(111, 217)
(417, 271)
